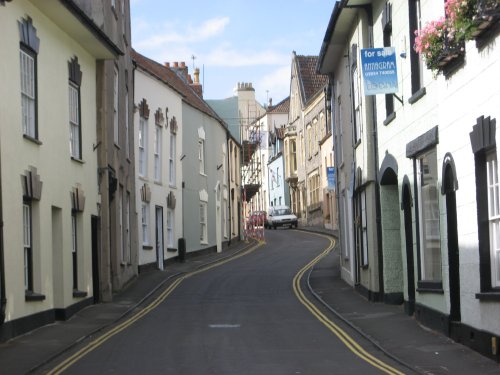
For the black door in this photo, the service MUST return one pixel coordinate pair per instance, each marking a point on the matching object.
(410, 270)
(453, 256)
(95, 258)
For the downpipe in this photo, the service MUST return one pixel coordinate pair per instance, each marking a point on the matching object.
(3, 299)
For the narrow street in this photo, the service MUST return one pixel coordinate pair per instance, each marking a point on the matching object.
(240, 317)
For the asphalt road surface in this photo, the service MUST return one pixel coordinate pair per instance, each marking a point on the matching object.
(241, 317)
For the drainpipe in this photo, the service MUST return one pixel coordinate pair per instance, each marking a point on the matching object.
(369, 12)
(228, 183)
(3, 300)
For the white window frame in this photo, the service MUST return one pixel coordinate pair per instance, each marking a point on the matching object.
(116, 134)
(224, 217)
(121, 231)
(145, 223)
(201, 155)
(143, 146)
(28, 93)
(171, 160)
(170, 227)
(127, 239)
(27, 243)
(356, 104)
(127, 136)
(203, 222)
(429, 217)
(74, 120)
(157, 153)
(494, 216)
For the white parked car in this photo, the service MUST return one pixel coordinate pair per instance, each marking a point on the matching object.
(279, 216)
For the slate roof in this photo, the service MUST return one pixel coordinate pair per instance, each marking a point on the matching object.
(281, 107)
(169, 77)
(310, 81)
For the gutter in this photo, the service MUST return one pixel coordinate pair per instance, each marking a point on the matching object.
(228, 175)
(329, 32)
(90, 24)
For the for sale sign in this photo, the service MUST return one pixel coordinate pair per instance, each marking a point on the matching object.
(380, 74)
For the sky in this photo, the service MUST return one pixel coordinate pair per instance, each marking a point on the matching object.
(232, 40)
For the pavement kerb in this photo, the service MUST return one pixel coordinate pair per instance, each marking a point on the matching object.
(354, 327)
(345, 320)
(214, 260)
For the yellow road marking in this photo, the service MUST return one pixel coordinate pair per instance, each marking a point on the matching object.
(64, 365)
(347, 340)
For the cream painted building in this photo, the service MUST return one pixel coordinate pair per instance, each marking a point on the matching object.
(158, 140)
(49, 181)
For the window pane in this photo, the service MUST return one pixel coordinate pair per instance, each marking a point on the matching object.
(26, 226)
(429, 209)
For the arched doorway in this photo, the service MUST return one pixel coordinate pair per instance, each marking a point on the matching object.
(406, 205)
(392, 270)
(449, 187)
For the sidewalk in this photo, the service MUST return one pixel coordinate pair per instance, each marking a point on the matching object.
(388, 327)
(27, 353)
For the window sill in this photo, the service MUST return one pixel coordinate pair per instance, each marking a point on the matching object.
(172, 186)
(143, 178)
(493, 295)
(79, 294)
(417, 96)
(80, 161)
(158, 183)
(31, 139)
(33, 297)
(147, 247)
(390, 118)
(432, 287)
(203, 174)
(171, 250)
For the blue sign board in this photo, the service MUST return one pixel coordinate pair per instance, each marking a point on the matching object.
(330, 175)
(379, 69)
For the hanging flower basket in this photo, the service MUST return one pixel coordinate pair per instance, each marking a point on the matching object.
(449, 54)
(487, 15)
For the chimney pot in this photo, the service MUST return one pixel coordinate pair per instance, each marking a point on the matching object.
(196, 76)
(183, 64)
(167, 64)
(176, 64)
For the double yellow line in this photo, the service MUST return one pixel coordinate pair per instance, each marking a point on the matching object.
(347, 340)
(158, 300)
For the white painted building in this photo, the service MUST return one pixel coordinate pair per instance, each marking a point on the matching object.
(437, 171)
(158, 139)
